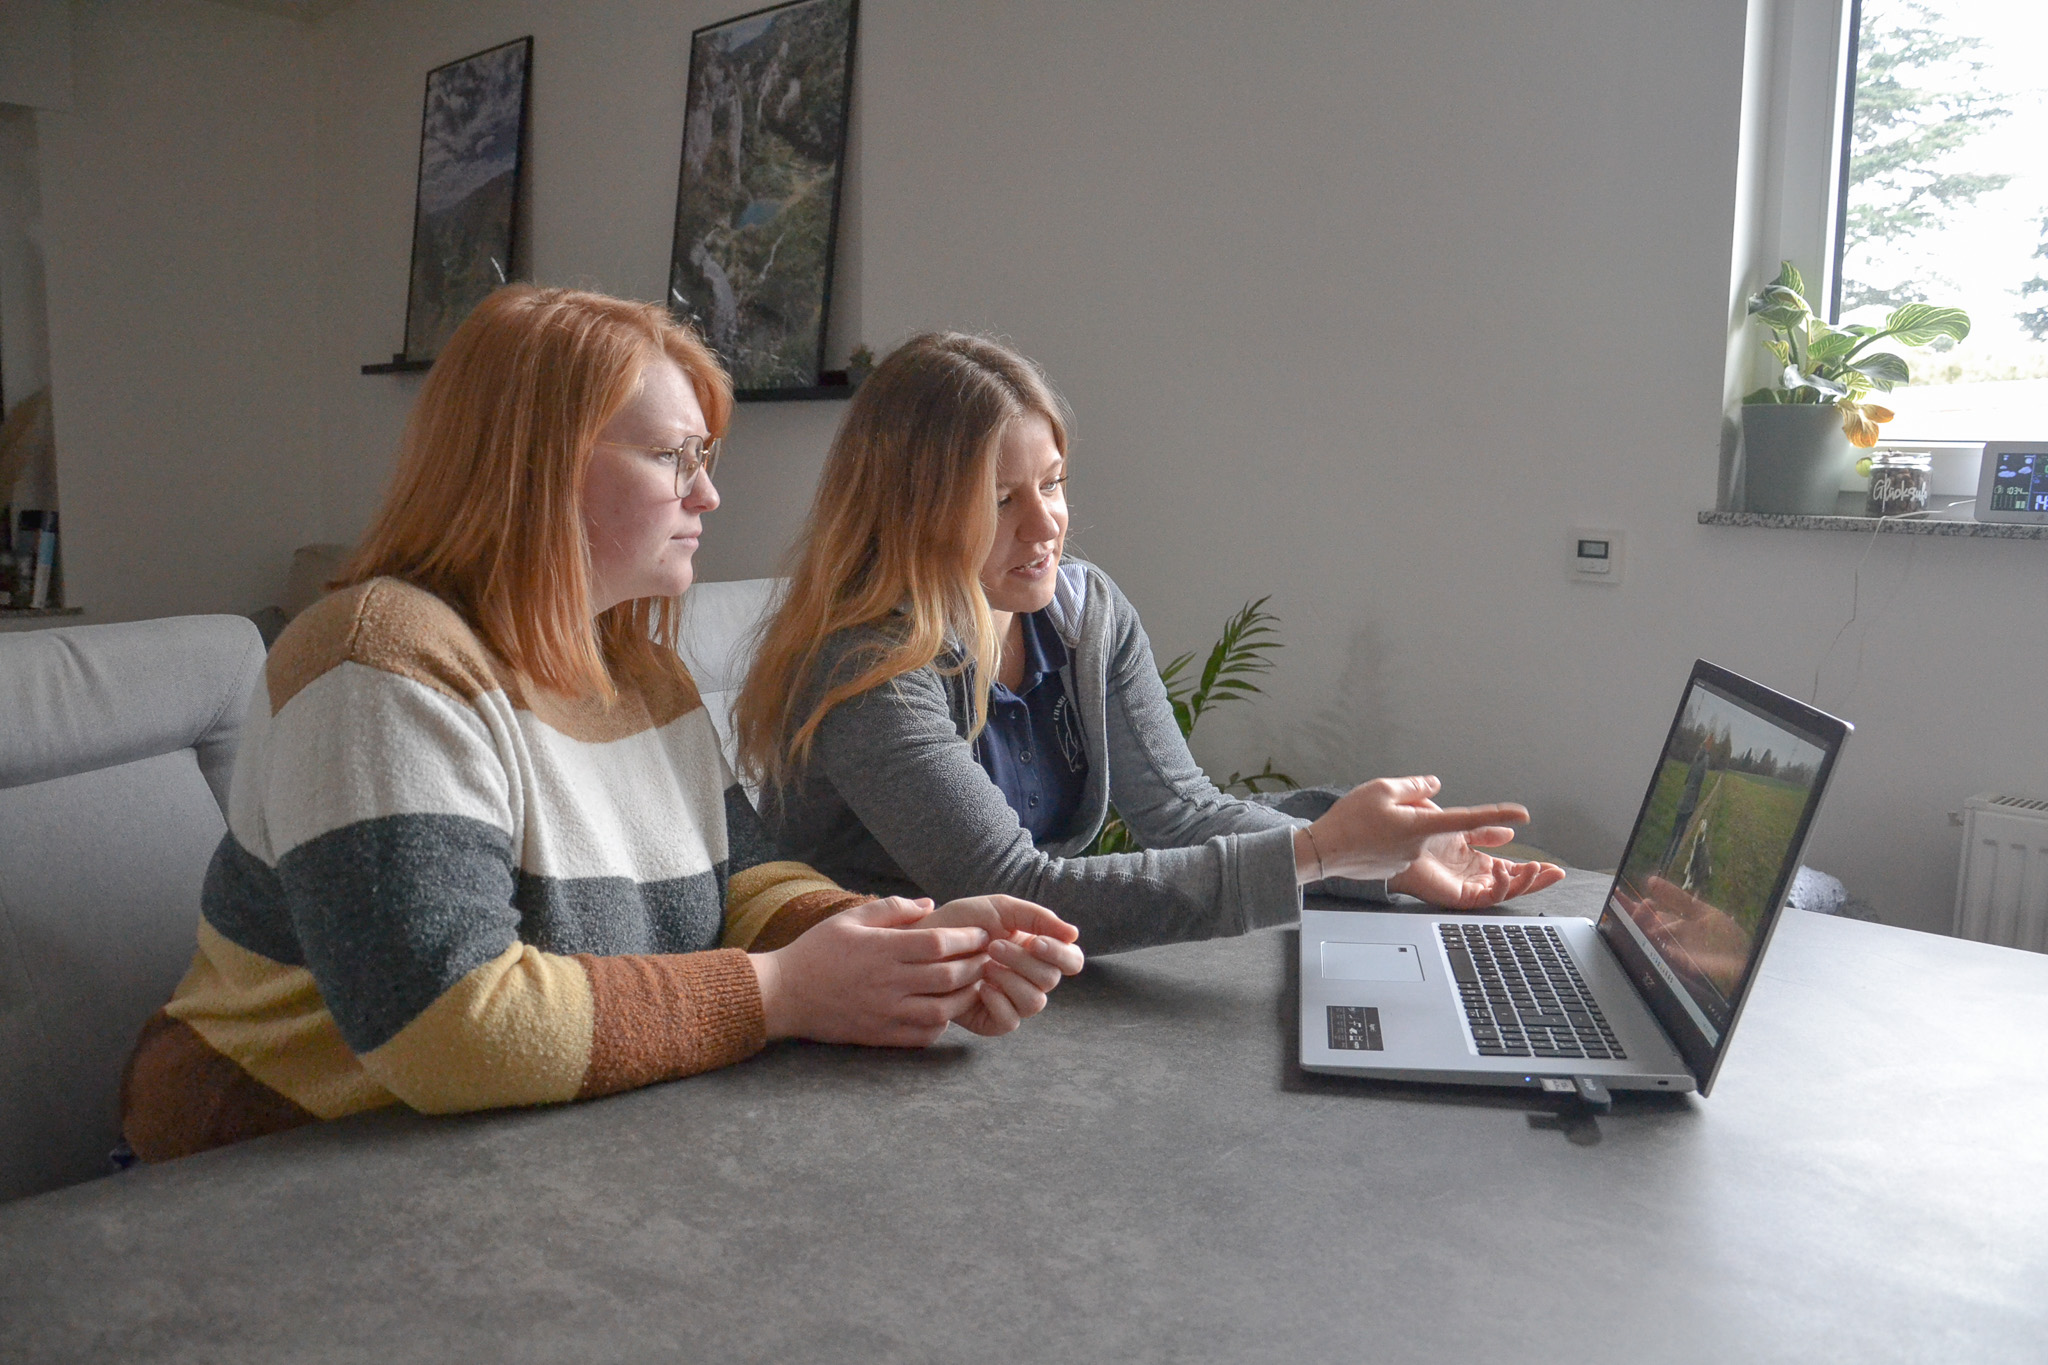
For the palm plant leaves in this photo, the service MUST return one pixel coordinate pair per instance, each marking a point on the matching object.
(1116, 837)
(1241, 653)
(1265, 779)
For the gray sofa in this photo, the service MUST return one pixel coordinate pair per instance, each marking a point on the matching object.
(116, 745)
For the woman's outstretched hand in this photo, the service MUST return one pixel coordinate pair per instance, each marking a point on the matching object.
(1029, 950)
(1454, 873)
(1392, 828)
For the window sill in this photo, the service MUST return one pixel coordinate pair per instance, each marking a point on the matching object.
(1904, 526)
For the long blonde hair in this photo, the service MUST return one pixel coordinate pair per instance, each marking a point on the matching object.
(897, 534)
(486, 507)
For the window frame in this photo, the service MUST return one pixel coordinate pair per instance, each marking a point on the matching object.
(1852, 26)
(1791, 167)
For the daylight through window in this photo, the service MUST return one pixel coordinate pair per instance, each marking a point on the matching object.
(1945, 201)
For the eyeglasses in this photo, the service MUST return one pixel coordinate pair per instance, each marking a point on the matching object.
(695, 453)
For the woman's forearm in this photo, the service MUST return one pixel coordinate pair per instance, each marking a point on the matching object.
(900, 767)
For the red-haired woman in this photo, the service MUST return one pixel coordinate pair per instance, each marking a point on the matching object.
(483, 849)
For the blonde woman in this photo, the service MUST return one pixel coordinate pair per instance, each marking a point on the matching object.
(943, 702)
(483, 849)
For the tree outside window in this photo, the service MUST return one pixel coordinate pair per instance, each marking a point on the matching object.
(1946, 202)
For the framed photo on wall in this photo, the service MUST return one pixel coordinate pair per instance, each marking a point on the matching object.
(466, 214)
(757, 203)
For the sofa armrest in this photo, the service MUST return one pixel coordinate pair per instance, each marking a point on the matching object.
(83, 698)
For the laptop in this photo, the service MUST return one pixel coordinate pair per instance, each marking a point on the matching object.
(1645, 998)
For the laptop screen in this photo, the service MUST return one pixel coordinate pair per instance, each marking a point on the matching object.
(1713, 853)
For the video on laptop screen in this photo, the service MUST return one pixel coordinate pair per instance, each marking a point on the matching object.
(1724, 811)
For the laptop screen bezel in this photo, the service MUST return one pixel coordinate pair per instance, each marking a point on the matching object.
(1701, 1055)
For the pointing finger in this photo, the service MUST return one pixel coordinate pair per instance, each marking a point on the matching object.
(1469, 818)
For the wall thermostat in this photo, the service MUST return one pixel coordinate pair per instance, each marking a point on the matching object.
(1595, 554)
(2012, 484)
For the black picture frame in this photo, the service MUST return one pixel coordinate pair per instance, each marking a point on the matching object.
(466, 206)
(758, 192)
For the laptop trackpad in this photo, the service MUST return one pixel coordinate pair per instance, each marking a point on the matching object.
(1371, 962)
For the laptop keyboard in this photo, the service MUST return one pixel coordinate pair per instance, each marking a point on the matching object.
(1523, 995)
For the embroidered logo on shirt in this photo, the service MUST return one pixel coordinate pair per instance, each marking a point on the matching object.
(1069, 732)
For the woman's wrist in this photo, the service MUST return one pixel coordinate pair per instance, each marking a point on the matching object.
(775, 1004)
(1308, 858)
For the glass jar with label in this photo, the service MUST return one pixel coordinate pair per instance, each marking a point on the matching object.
(1898, 482)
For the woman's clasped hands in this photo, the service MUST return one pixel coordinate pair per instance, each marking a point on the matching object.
(895, 972)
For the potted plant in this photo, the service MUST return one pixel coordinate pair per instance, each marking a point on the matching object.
(1239, 655)
(1796, 433)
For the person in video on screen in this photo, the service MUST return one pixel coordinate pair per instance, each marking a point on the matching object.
(483, 846)
(943, 701)
(1688, 801)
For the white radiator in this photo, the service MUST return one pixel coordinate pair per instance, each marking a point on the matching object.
(2002, 889)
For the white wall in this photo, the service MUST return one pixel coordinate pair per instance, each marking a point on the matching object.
(35, 53)
(179, 257)
(1361, 305)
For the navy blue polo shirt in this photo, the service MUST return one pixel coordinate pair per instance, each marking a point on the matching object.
(1031, 748)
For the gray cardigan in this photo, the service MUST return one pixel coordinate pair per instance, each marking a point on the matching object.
(892, 798)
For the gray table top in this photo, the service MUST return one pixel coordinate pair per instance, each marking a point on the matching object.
(1141, 1174)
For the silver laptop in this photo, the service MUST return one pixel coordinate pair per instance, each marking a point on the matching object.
(1645, 998)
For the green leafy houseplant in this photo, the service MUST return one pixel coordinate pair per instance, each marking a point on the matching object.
(1241, 653)
(1828, 364)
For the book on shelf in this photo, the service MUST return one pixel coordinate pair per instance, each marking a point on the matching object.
(46, 562)
(28, 559)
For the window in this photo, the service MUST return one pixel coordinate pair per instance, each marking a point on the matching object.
(1943, 198)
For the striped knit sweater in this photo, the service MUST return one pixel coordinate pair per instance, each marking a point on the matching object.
(445, 888)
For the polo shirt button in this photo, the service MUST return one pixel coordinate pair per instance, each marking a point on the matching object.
(1034, 803)
(1024, 757)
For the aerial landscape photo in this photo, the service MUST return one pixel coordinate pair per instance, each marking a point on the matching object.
(469, 181)
(762, 143)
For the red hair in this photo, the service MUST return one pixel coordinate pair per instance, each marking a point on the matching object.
(486, 507)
